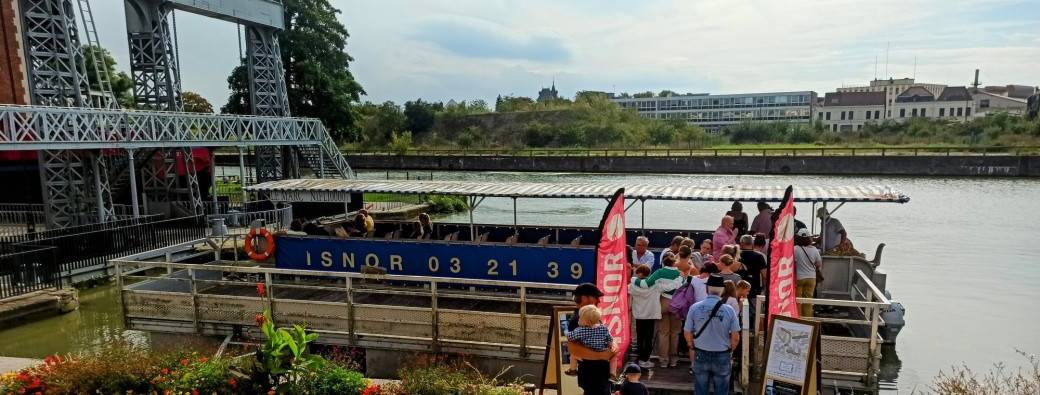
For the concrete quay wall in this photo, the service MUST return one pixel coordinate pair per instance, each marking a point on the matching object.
(962, 165)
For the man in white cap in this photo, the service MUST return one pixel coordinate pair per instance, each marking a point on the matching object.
(712, 331)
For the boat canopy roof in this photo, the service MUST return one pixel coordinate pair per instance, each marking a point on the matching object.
(331, 190)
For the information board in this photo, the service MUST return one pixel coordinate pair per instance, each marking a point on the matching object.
(483, 261)
(791, 350)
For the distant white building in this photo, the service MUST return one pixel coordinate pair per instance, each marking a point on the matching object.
(713, 112)
(851, 108)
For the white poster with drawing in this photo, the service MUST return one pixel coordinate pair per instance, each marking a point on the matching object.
(789, 351)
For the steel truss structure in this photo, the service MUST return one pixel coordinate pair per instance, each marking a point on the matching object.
(79, 170)
(153, 62)
(268, 96)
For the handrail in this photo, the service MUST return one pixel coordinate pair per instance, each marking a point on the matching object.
(874, 289)
(704, 151)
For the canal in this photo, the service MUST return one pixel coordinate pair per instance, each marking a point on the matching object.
(962, 257)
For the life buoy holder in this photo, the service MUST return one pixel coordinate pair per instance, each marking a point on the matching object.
(252, 252)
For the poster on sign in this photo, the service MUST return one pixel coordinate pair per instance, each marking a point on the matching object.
(781, 295)
(612, 272)
(792, 352)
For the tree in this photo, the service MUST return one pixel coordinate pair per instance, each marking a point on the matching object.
(379, 122)
(122, 84)
(194, 102)
(421, 115)
(643, 95)
(317, 68)
(513, 103)
(667, 93)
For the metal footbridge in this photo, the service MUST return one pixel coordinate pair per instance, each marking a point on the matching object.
(92, 156)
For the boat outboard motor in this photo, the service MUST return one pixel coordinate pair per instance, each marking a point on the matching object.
(894, 320)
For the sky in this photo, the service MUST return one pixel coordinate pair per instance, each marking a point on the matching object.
(464, 50)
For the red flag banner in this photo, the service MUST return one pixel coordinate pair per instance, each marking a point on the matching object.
(781, 261)
(612, 272)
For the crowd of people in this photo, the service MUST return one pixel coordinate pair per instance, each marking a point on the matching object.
(688, 300)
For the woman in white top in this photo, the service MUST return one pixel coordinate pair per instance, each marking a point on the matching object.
(807, 260)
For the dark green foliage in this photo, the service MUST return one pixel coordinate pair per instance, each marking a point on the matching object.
(538, 134)
(317, 72)
(420, 115)
(122, 84)
(194, 102)
(446, 204)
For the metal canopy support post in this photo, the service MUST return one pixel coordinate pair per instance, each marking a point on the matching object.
(473, 203)
(516, 227)
(642, 216)
(823, 230)
(133, 184)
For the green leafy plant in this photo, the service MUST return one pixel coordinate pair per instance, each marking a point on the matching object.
(282, 352)
(323, 377)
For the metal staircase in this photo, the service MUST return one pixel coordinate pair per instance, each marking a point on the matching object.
(326, 160)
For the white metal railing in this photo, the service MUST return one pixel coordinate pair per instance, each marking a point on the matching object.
(868, 304)
(41, 127)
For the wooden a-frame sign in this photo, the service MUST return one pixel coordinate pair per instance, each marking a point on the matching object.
(792, 346)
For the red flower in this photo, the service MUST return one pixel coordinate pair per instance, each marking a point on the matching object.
(184, 362)
(232, 382)
(165, 371)
(194, 391)
(260, 320)
(203, 359)
(261, 289)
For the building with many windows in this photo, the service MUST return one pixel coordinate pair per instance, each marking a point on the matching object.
(713, 112)
(845, 110)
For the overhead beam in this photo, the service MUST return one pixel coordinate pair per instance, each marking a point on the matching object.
(266, 13)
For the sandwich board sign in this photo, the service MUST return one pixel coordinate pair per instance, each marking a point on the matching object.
(791, 350)
(557, 357)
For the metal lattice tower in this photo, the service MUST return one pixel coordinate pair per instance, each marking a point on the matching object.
(267, 95)
(73, 182)
(153, 62)
(57, 73)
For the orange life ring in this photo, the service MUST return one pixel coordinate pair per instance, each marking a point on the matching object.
(253, 253)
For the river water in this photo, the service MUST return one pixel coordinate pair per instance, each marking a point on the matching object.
(962, 257)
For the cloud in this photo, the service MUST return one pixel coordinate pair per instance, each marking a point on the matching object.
(474, 38)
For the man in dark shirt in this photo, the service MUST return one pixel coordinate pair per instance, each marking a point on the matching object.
(755, 264)
(584, 295)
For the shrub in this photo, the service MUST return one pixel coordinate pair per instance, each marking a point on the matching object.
(963, 381)
(199, 374)
(537, 134)
(446, 204)
(443, 376)
(329, 378)
(401, 143)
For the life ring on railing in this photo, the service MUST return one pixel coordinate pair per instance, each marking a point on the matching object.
(252, 252)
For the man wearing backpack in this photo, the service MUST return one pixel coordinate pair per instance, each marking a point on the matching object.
(712, 331)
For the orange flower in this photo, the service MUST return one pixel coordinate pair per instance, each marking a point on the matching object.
(261, 289)
(184, 362)
(260, 320)
(203, 359)
(232, 382)
(165, 371)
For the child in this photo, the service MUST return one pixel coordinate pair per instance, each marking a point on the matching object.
(592, 334)
(646, 309)
(632, 386)
(743, 289)
(729, 296)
